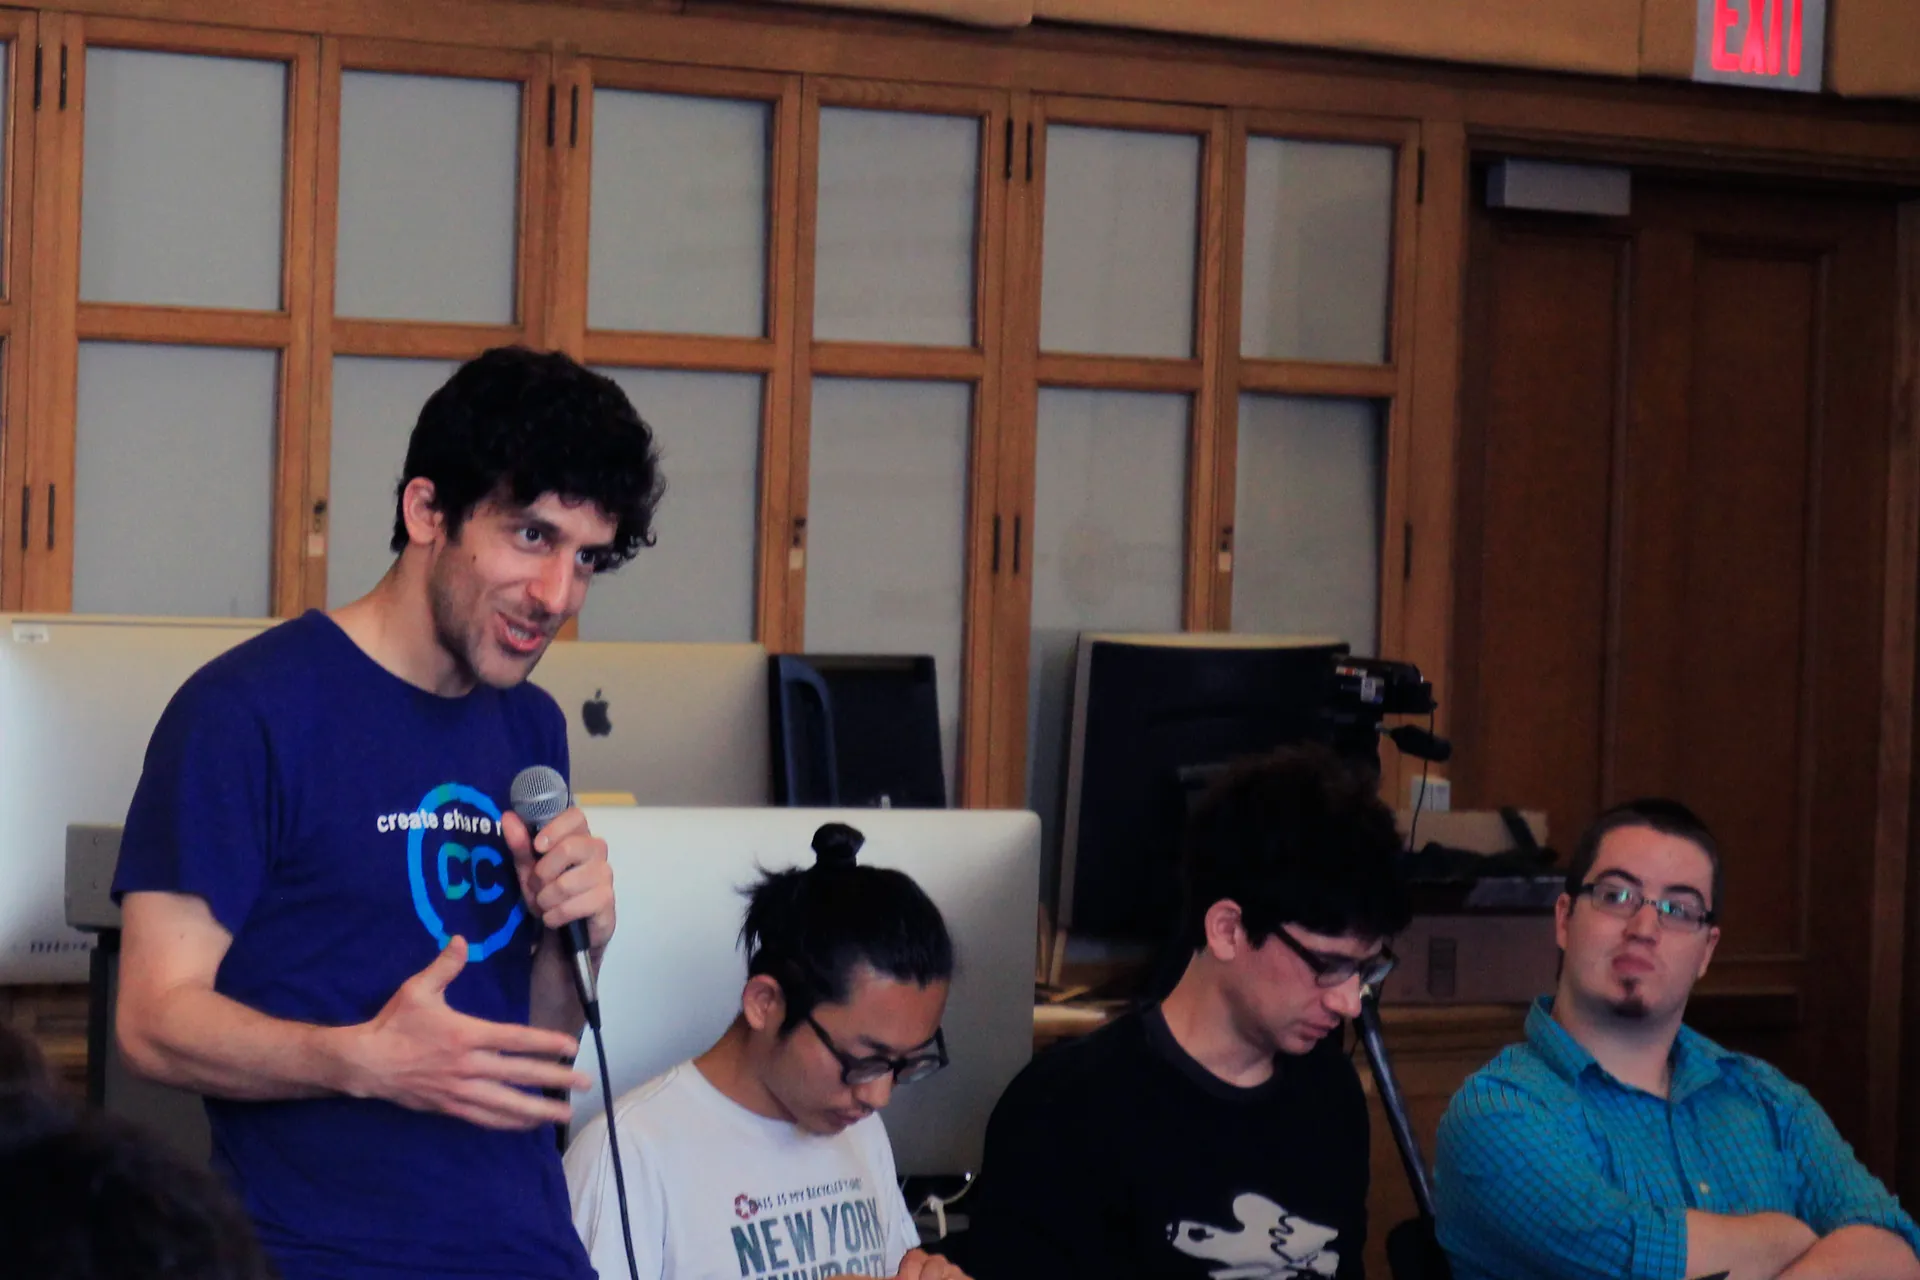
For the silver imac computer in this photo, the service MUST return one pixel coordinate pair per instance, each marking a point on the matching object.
(670, 982)
(682, 724)
(79, 696)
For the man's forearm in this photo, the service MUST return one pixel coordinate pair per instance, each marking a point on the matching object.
(1757, 1246)
(1857, 1253)
(197, 1039)
(555, 1005)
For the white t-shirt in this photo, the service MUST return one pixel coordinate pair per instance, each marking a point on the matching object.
(716, 1192)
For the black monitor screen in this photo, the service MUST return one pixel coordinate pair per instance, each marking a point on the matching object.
(885, 715)
(1152, 724)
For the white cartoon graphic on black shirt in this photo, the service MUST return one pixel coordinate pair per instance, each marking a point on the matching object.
(1269, 1243)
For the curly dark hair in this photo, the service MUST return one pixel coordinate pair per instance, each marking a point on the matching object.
(1297, 837)
(515, 424)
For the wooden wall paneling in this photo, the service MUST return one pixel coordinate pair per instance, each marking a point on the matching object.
(1856, 933)
(1890, 928)
(1396, 532)
(1753, 523)
(286, 331)
(777, 464)
(326, 238)
(806, 221)
(977, 364)
(1905, 432)
(47, 577)
(887, 360)
(563, 325)
(1209, 326)
(997, 146)
(1093, 63)
(21, 34)
(546, 129)
(292, 507)
(335, 335)
(1119, 373)
(1019, 405)
(1217, 564)
(1645, 650)
(1431, 292)
(1532, 570)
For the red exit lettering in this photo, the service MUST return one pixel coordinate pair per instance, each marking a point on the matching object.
(1761, 39)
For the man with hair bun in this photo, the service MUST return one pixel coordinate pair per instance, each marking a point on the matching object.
(765, 1156)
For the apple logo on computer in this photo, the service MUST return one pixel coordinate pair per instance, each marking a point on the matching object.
(593, 714)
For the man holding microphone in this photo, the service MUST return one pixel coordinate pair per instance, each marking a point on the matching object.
(335, 926)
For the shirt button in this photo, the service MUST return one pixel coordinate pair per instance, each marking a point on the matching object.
(1703, 1188)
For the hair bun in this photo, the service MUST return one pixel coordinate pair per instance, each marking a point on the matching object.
(836, 845)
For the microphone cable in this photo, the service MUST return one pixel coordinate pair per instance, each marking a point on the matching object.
(613, 1139)
(539, 795)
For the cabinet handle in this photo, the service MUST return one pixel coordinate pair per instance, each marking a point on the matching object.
(1016, 546)
(26, 513)
(50, 502)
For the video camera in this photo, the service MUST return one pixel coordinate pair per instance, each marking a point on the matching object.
(1367, 690)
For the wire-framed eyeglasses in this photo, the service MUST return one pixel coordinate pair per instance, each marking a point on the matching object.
(1618, 898)
(858, 1071)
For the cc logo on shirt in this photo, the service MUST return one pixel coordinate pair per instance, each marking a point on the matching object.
(470, 881)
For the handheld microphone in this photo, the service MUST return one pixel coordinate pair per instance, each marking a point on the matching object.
(539, 796)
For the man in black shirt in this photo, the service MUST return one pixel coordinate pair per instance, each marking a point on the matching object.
(1220, 1133)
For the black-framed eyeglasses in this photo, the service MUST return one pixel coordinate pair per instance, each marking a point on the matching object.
(907, 1070)
(1618, 898)
(1331, 970)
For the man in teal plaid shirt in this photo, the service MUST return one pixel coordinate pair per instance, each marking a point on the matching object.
(1616, 1142)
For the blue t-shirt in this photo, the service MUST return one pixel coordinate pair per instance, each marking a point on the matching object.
(342, 824)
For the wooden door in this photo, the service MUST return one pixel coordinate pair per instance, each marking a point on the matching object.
(1674, 544)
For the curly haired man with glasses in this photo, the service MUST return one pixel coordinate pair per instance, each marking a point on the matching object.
(1221, 1132)
(1616, 1142)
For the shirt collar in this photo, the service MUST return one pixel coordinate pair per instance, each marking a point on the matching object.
(1696, 1060)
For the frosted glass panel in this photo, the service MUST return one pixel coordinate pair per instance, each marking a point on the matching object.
(1309, 483)
(678, 239)
(1108, 552)
(1319, 251)
(1122, 237)
(696, 583)
(182, 180)
(887, 528)
(429, 198)
(375, 404)
(174, 480)
(894, 251)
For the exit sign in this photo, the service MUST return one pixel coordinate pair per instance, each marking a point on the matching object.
(1771, 44)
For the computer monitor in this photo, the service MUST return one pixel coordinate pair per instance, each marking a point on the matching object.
(867, 726)
(1153, 718)
(678, 724)
(79, 697)
(670, 981)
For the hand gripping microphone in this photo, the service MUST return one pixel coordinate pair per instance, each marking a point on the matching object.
(539, 796)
